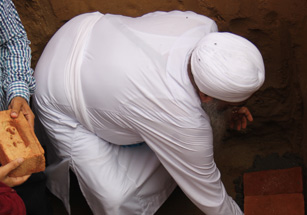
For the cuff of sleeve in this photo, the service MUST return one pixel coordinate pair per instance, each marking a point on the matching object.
(18, 88)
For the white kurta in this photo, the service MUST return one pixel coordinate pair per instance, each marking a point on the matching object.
(110, 80)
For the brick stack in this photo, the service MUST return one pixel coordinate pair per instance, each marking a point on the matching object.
(274, 192)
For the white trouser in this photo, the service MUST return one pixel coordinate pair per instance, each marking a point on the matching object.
(114, 180)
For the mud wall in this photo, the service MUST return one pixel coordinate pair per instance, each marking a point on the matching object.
(277, 27)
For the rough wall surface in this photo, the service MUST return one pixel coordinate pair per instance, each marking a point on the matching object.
(277, 28)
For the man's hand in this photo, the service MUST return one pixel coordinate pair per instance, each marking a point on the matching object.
(20, 104)
(6, 169)
(239, 118)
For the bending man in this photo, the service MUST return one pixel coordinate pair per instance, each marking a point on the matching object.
(105, 81)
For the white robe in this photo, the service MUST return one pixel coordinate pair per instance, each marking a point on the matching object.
(110, 80)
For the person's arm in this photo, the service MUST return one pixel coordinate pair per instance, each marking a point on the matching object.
(18, 81)
(6, 169)
(187, 154)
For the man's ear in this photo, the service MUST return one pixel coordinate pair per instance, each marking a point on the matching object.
(204, 98)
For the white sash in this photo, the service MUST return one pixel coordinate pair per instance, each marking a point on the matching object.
(72, 76)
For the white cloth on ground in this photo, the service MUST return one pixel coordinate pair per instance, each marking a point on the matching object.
(134, 87)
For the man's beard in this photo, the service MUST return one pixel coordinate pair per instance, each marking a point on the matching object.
(219, 120)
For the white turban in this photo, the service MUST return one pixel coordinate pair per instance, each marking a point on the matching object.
(227, 67)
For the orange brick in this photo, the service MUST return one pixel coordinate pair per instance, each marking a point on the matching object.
(282, 204)
(273, 182)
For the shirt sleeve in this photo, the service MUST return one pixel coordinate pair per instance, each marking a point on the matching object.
(16, 54)
(187, 154)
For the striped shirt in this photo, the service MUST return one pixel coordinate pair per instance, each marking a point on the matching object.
(15, 57)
